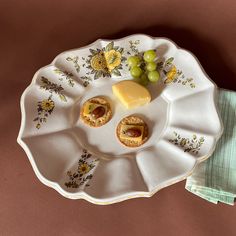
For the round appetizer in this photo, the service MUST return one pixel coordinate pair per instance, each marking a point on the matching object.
(132, 131)
(96, 112)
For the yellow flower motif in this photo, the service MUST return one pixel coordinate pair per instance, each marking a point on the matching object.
(84, 168)
(98, 62)
(47, 105)
(113, 59)
(171, 75)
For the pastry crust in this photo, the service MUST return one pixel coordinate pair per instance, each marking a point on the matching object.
(92, 122)
(132, 120)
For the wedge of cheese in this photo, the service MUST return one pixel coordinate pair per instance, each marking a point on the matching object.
(131, 94)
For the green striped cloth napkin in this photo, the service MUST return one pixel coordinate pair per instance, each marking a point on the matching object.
(215, 178)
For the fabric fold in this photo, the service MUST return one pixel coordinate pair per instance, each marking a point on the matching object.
(215, 178)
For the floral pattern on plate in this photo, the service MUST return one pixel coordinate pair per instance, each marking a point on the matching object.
(192, 145)
(104, 62)
(65, 75)
(46, 106)
(83, 173)
(75, 61)
(173, 75)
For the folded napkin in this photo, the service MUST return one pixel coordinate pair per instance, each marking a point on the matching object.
(215, 178)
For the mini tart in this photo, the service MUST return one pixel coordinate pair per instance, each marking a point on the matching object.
(86, 116)
(132, 122)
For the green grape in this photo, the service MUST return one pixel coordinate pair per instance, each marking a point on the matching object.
(149, 56)
(153, 76)
(133, 61)
(144, 80)
(136, 71)
(151, 66)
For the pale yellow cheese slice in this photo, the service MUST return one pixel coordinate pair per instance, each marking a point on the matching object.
(89, 107)
(131, 94)
(136, 139)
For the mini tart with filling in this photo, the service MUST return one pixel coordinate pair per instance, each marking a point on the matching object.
(86, 113)
(132, 122)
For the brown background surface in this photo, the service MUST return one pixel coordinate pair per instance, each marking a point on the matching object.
(32, 34)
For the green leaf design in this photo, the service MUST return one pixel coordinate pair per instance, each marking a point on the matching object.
(116, 72)
(123, 59)
(65, 74)
(202, 139)
(112, 59)
(98, 74)
(121, 50)
(93, 51)
(109, 46)
(62, 97)
(169, 60)
(69, 59)
(57, 71)
(74, 60)
(77, 67)
(86, 78)
(119, 67)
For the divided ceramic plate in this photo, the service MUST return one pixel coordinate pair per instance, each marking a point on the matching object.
(90, 163)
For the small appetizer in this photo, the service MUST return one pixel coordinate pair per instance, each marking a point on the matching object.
(96, 112)
(132, 131)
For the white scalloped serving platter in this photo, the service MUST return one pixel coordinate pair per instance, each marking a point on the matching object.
(90, 163)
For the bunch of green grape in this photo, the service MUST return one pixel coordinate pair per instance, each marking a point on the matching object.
(144, 69)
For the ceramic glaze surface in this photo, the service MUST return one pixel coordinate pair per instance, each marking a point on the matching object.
(90, 163)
